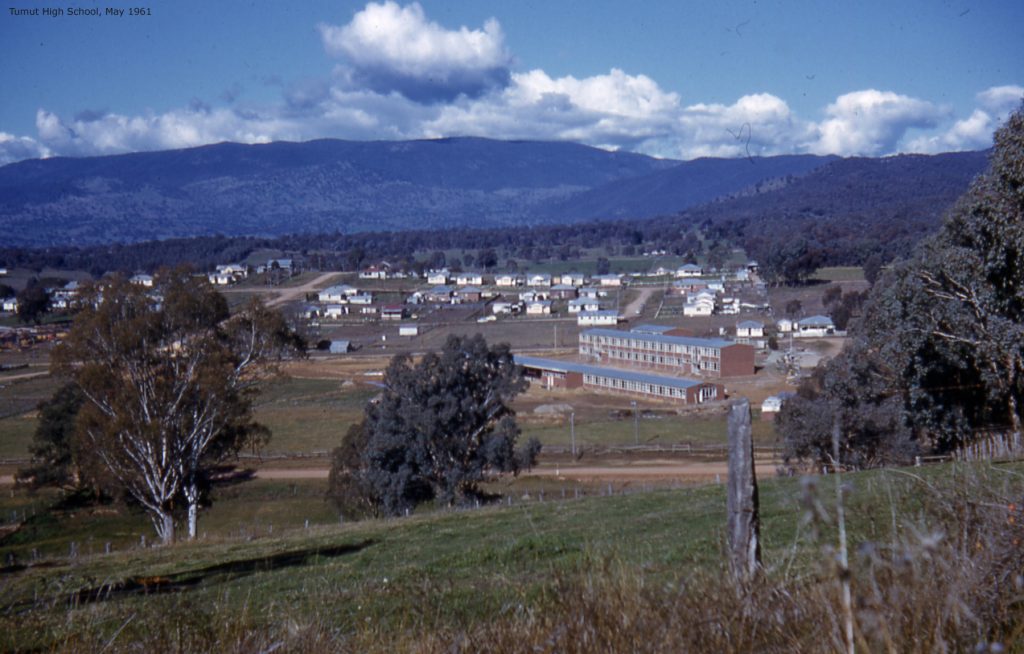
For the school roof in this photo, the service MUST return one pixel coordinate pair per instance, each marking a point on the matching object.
(659, 338)
(614, 373)
(651, 329)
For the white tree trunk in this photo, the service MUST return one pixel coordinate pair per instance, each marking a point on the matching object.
(193, 512)
(163, 521)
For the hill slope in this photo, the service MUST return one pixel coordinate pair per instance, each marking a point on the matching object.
(328, 186)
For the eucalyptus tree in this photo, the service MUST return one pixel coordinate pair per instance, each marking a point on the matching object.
(441, 426)
(167, 378)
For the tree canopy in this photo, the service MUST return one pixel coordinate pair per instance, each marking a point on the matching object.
(441, 427)
(942, 334)
(167, 379)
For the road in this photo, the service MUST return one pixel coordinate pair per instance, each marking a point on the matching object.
(287, 294)
(636, 306)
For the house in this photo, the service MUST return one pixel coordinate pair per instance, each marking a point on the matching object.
(361, 298)
(749, 329)
(506, 307)
(608, 280)
(467, 294)
(333, 311)
(563, 291)
(392, 312)
(815, 327)
(593, 292)
(752, 267)
(337, 294)
(237, 269)
(689, 270)
(9, 304)
(409, 329)
(534, 295)
(538, 279)
(751, 332)
(3, 272)
(439, 294)
(310, 311)
(729, 306)
(562, 374)
(773, 404)
(438, 277)
(583, 304)
(701, 304)
(508, 279)
(469, 279)
(573, 279)
(784, 325)
(142, 280)
(538, 307)
(340, 347)
(595, 318)
(220, 279)
(381, 270)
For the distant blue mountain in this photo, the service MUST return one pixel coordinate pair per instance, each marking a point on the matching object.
(329, 186)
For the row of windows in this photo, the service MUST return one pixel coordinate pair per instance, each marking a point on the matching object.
(650, 346)
(657, 346)
(634, 386)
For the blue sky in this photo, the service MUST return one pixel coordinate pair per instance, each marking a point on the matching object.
(671, 79)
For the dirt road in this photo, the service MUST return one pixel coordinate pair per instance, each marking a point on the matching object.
(689, 470)
(283, 295)
(636, 306)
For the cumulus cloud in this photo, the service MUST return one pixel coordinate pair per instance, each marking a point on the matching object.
(974, 132)
(393, 48)
(16, 148)
(403, 76)
(872, 122)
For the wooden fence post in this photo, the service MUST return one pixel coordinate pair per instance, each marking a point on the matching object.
(744, 525)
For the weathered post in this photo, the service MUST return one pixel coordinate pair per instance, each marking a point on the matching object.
(744, 524)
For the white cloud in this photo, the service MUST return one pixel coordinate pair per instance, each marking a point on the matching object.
(1000, 101)
(404, 76)
(872, 122)
(974, 132)
(394, 48)
(16, 148)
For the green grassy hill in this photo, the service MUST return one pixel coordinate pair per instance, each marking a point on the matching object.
(536, 572)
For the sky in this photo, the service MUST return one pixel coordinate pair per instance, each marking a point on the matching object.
(675, 79)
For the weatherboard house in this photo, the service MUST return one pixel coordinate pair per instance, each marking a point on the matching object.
(815, 326)
(553, 374)
(680, 354)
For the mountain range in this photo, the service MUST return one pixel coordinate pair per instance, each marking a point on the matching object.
(330, 186)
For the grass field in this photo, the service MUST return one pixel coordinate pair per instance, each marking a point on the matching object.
(383, 584)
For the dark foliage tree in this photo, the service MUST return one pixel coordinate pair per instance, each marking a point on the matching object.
(603, 266)
(443, 426)
(850, 390)
(54, 448)
(942, 334)
(873, 268)
(347, 487)
(168, 382)
(33, 303)
(959, 306)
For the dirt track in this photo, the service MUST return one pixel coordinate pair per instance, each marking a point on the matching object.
(691, 470)
(283, 295)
